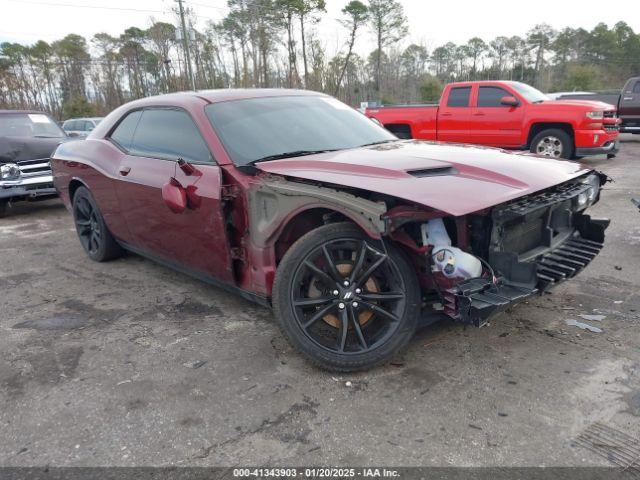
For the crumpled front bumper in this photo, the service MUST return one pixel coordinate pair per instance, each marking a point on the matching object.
(474, 301)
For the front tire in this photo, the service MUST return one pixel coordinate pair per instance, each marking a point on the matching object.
(95, 237)
(554, 143)
(345, 301)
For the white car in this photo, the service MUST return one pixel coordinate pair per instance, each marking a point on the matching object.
(80, 127)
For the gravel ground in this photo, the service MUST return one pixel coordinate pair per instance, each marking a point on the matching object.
(129, 363)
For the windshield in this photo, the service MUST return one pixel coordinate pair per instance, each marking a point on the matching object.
(259, 128)
(29, 125)
(531, 94)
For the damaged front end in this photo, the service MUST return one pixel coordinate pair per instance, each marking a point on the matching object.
(530, 245)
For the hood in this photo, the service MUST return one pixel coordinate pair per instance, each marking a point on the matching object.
(455, 179)
(15, 149)
(587, 104)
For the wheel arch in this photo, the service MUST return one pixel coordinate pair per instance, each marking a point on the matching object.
(277, 202)
(74, 184)
(400, 130)
(538, 127)
(307, 219)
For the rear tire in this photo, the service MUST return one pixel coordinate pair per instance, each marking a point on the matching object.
(554, 143)
(342, 301)
(94, 236)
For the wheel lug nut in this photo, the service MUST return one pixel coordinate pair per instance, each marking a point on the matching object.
(355, 304)
(341, 306)
(335, 292)
(346, 283)
(358, 290)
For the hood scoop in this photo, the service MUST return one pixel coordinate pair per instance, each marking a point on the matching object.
(433, 171)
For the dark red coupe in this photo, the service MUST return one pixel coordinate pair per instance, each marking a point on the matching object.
(297, 201)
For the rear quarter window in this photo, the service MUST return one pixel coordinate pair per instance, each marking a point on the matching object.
(122, 135)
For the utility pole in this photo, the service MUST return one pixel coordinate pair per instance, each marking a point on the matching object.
(185, 45)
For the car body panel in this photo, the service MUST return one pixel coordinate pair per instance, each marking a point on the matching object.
(484, 176)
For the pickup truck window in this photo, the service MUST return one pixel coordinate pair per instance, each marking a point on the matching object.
(491, 96)
(459, 97)
(636, 87)
(29, 125)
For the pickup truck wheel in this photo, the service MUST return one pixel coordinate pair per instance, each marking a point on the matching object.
(553, 143)
(344, 300)
(93, 233)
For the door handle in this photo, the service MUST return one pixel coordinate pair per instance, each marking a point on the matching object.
(124, 171)
(478, 114)
(627, 98)
(446, 114)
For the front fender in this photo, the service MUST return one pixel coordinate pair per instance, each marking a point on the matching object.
(275, 200)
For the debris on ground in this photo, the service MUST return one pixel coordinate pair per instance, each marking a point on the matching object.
(348, 384)
(194, 365)
(593, 318)
(614, 445)
(583, 326)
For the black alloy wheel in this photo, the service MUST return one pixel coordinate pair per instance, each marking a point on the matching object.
(350, 302)
(92, 231)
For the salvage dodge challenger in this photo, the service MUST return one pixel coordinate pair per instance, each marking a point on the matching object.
(296, 201)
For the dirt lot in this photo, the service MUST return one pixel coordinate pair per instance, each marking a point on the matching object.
(129, 363)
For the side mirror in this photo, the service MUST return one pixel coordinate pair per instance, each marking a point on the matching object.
(376, 121)
(509, 101)
(174, 196)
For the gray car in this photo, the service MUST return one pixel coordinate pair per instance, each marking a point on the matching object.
(80, 127)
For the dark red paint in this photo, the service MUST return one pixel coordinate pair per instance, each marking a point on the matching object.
(183, 214)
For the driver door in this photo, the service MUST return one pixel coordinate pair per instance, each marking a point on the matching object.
(492, 123)
(194, 239)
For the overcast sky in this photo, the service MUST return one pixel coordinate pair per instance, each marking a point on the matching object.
(431, 22)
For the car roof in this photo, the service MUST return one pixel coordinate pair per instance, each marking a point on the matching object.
(221, 95)
(22, 111)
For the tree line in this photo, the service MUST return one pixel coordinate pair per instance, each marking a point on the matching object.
(274, 43)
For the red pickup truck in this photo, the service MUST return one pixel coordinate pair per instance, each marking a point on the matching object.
(509, 115)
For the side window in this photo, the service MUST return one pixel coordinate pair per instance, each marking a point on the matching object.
(459, 97)
(70, 125)
(123, 134)
(636, 87)
(171, 134)
(491, 96)
(87, 126)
